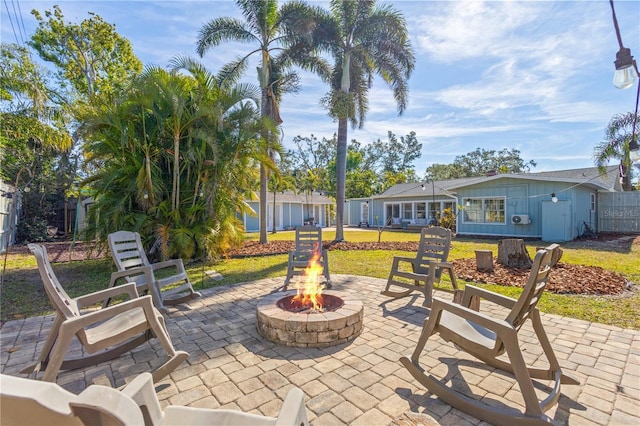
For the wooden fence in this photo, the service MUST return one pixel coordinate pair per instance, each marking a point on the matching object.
(619, 212)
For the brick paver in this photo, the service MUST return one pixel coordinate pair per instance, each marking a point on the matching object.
(359, 382)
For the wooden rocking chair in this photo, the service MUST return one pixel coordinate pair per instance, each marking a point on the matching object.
(105, 334)
(133, 266)
(426, 267)
(486, 338)
(308, 245)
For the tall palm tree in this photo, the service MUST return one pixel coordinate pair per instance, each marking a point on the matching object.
(365, 40)
(263, 26)
(615, 146)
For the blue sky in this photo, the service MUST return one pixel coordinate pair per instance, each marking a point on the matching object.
(531, 75)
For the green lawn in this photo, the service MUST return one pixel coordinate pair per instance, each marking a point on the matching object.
(23, 295)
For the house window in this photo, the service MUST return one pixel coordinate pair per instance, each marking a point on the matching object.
(421, 210)
(407, 211)
(434, 210)
(593, 202)
(484, 210)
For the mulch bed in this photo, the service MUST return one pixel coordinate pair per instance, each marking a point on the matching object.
(566, 278)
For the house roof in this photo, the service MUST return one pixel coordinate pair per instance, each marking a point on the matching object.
(303, 198)
(590, 176)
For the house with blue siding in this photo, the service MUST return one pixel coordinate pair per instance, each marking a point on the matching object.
(552, 206)
(291, 210)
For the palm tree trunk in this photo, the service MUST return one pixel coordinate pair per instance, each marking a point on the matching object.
(273, 231)
(341, 177)
(264, 175)
(176, 171)
(263, 204)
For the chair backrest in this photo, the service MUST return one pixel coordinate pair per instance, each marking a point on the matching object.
(435, 243)
(31, 402)
(59, 298)
(308, 240)
(534, 287)
(127, 250)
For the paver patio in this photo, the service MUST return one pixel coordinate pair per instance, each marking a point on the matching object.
(360, 382)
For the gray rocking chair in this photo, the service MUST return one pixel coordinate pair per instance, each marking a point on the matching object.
(426, 267)
(105, 333)
(486, 338)
(308, 244)
(133, 266)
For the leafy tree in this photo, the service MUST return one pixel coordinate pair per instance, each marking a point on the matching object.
(33, 143)
(134, 144)
(91, 57)
(311, 163)
(615, 146)
(364, 40)
(479, 163)
(396, 156)
(266, 27)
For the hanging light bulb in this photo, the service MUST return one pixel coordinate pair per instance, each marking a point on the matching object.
(554, 198)
(625, 74)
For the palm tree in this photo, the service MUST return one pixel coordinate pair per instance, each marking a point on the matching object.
(132, 142)
(616, 146)
(364, 40)
(263, 26)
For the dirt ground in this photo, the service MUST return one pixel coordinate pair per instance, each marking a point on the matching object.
(566, 278)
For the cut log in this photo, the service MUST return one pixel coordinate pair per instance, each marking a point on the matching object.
(484, 260)
(512, 253)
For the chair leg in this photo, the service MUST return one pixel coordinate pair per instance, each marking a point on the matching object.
(65, 335)
(158, 326)
(43, 360)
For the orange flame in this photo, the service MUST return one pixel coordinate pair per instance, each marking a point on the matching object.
(309, 291)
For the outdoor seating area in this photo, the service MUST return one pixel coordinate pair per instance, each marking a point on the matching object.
(358, 382)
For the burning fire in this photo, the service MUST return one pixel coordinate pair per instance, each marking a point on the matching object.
(309, 291)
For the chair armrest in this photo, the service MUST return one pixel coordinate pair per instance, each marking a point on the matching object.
(479, 318)
(93, 317)
(471, 290)
(143, 393)
(108, 293)
(398, 259)
(176, 263)
(97, 400)
(293, 411)
(146, 270)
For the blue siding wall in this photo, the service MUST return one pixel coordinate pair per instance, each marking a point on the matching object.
(252, 223)
(523, 197)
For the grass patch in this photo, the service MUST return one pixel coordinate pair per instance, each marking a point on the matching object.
(23, 294)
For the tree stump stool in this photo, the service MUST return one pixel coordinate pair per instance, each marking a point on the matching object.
(484, 260)
(513, 253)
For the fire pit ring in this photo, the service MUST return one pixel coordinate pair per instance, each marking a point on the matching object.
(309, 329)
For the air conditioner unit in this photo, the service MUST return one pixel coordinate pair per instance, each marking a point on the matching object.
(520, 219)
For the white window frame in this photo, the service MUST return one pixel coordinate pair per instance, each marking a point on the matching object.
(484, 201)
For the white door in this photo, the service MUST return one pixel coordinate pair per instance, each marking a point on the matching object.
(364, 212)
(270, 217)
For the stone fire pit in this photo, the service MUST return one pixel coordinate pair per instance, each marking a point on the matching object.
(309, 329)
